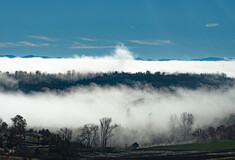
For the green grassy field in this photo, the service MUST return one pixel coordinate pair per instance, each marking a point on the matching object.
(229, 144)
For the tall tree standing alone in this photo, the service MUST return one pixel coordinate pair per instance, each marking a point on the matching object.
(187, 121)
(106, 130)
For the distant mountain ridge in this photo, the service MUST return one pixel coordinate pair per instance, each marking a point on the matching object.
(27, 56)
(139, 59)
(199, 59)
(213, 59)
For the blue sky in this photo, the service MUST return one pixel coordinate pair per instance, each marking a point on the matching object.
(181, 29)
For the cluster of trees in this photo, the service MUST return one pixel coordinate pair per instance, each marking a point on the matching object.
(181, 129)
(27, 82)
(89, 136)
(225, 131)
(212, 134)
(16, 137)
(11, 136)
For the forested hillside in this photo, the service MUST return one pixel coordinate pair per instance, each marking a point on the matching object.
(27, 82)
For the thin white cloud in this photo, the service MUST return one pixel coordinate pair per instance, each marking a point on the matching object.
(91, 47)
(8, 44)
(151, 43)
(27, 43)
(45, 44)
(22, 43)
(211, 25)
(42, 38)
(87, 39)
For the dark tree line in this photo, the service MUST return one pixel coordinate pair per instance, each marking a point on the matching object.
(17, 140)
(27, 82)
(181, 129)
(224, 131)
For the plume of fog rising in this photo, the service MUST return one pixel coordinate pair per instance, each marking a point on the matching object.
(132, 108)
(120, 60)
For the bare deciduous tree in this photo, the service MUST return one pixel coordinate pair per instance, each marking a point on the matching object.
(65, 134)
(187, 121)
(106, 130)
(89, 135)
(173, 127)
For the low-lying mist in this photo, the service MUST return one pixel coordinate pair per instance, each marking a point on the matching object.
(133, 108)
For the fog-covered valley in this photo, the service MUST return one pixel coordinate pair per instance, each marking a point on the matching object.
(139, 101)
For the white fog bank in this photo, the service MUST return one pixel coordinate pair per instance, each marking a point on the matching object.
(135, 109)
(120, 60)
